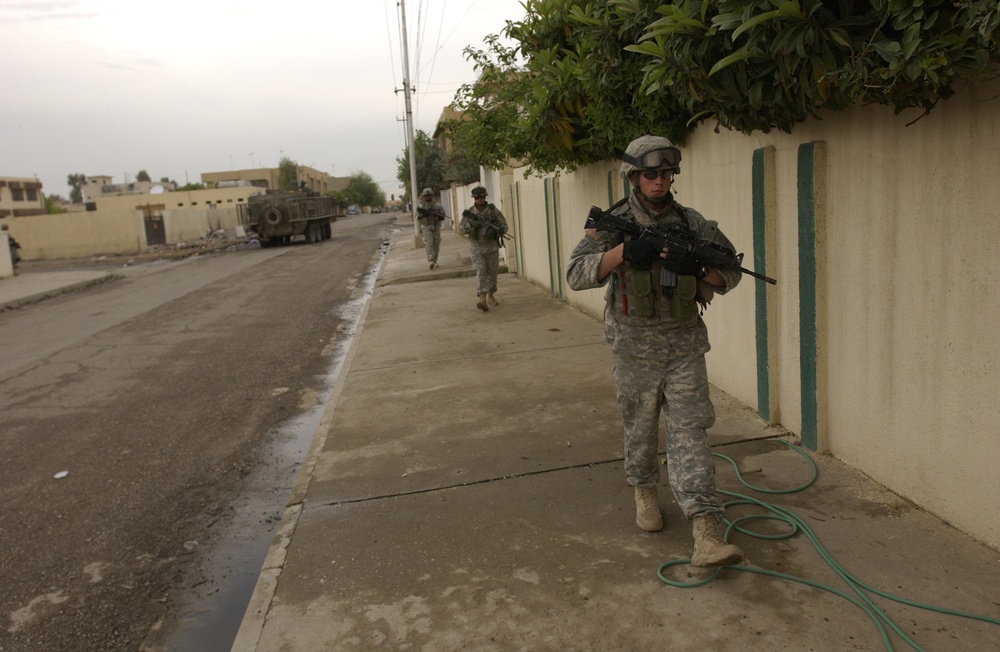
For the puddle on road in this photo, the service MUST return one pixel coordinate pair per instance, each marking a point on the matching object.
(212, 613)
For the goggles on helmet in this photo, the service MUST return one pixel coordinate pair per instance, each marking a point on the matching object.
(661, 157)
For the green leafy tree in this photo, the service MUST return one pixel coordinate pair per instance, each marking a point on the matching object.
(75, 183)
(430, 160)
(576, 98)
(192, 186)
(53, 204)
(585, 77)
(142, 176)
(461, 170)
(361, 190)
(365, 190)
(288, 175)
(759, 64)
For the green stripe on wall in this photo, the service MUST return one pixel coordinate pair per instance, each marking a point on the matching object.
(520, 231)
(548, 238)
(557, 254)
(807, 293)
(759, 260)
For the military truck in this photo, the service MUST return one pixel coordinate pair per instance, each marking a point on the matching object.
(276, 217)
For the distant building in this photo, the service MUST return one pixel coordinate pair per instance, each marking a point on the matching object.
(267, 178)
(101, 187)
(21, 196)
(440, 135)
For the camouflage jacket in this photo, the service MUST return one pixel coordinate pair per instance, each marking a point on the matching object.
(430, 214)
(646, 313)
(477, 230)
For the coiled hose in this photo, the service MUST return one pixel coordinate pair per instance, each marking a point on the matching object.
(773, 512)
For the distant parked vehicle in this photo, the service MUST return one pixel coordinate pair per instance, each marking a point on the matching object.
(277, 217)
(353, 210)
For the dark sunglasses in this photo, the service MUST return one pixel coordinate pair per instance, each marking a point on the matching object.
(667, 175)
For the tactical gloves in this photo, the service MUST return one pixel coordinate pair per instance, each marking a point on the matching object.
(641, 252)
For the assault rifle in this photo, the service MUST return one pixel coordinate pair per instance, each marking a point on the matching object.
(488, 222)
(681, 240)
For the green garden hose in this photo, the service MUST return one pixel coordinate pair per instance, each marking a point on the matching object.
(796, 525)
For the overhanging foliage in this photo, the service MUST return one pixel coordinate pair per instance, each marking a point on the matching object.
(588, 76)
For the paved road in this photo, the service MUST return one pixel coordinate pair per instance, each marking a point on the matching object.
(155, 393)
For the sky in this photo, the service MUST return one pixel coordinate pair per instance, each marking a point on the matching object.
(112, 87)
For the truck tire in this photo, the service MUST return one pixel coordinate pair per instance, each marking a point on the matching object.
(273, 216)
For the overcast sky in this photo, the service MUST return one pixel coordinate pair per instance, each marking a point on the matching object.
(112, 87)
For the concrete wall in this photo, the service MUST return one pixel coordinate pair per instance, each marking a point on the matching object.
(118, 226)
(878, 343)
(78, 235)
(107, 232)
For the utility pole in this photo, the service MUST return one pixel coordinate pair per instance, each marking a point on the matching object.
(409, 126)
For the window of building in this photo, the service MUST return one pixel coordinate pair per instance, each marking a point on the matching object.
(32, 194)
(17, 194)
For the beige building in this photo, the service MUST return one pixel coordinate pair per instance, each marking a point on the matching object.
(267, 179)
(130, 223)
(98, 188)
(21, 196)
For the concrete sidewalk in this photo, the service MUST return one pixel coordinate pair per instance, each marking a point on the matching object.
(465, 491)
(28, 287)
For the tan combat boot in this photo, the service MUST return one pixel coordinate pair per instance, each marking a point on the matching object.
(709, 548)
(647, 509)
(432, 264)
(492, 301)
(482, 303)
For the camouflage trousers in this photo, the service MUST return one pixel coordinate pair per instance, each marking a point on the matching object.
(432, 240)
(679, 388)
(486, 262)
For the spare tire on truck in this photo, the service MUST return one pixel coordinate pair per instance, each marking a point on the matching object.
(273, 216)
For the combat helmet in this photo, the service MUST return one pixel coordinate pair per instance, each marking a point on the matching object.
(479, 191)
(427, 192)
(650, 153)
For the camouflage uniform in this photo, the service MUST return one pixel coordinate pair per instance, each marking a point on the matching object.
(430, 227)
(659, 342)
(485, 246)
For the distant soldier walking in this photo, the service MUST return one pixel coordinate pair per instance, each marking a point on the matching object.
(430, 215)
(485, 227)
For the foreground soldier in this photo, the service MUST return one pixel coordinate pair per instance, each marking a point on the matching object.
(430, 214)
(485, 226)
(659, 342)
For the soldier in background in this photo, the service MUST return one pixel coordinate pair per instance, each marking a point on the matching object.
(485, 227)
(658, 342)
(15, 246)
(430, 215)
